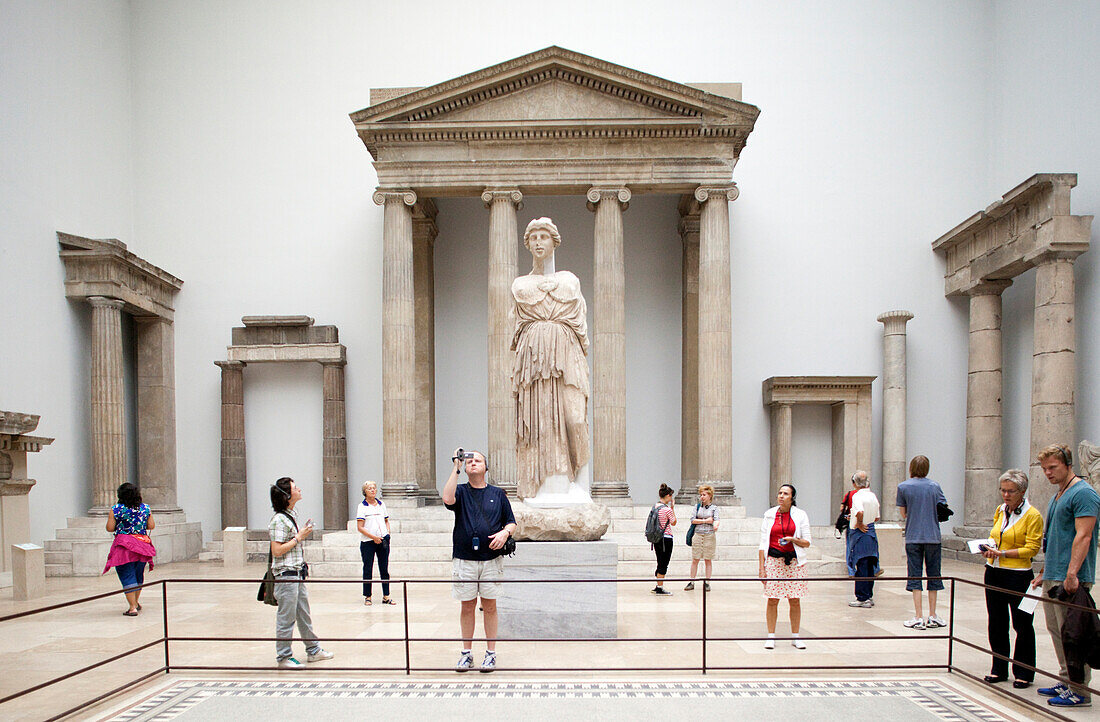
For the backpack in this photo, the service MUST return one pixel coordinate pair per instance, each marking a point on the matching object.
(654, 532)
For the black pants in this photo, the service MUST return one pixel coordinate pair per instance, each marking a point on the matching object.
(664, 553)
(865, 567)
(369, 550)
(1001, 607)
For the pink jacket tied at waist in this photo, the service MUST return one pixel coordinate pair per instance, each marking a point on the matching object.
(128, 548)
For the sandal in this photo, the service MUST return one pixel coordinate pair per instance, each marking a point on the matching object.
(129, 613)
(139, 607)
(367, 601)
(388, 600)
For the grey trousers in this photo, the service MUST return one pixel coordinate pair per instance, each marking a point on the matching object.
(1056, 617)
(293, 607)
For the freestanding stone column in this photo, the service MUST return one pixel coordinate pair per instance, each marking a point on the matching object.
(424, 233)
(893, 408)
(715, 349)
(108, 415)
(689, 364)
(398, 346)
(156, 416)
(781, 449)
(234, 470)
(984, 409)
(335, 454)
(503, 263)
(609, 346)
(1053, 365)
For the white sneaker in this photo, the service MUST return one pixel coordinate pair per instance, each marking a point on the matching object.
(320, 656)
(914, 623)
(770, 644)
(798, 643)
(933, 621)
(489, 664)
(465, 663)
(290, 663)
(867, 603)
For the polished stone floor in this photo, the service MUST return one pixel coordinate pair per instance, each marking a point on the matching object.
(54, 643)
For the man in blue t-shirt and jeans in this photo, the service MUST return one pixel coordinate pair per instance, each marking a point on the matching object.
(917, 499)
(483, 523)
(1069, 545)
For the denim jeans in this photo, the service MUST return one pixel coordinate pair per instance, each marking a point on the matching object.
(928, 556)
(131, 574)
(293, 607)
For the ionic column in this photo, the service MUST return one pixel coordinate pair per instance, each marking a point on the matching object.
(689, 355)
(156, 416)
(715, 351)
(398, 345)
(503, 263)
(424, 233)
(334, 463)
(893, 408)
(1053, 365)
(609, 346)
(984, 389)
(234, 471)
(108, 414)
(780, 448)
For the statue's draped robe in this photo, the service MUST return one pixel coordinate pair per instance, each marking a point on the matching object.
(549, 378)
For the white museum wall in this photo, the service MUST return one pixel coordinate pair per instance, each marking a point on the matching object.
(882, 126)
(66, 163)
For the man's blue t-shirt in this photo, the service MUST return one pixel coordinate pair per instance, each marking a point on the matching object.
(919, 496)
(496, 512)
(1077, 501)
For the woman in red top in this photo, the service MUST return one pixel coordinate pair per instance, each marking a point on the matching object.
(784, 537)
(666, 515)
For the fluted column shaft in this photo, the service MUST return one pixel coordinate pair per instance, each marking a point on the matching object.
(233, 468)
(108, 414)
(1053, 365)
(156, 415)
(398, 345)
(503, 268)
(609, 345)
(893, 408)
(689, 358)
(984, 389)
(780, 448)
(715, 350)
(424, 233)
(334, 463)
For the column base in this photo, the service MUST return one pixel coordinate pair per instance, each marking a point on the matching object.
(610, 493)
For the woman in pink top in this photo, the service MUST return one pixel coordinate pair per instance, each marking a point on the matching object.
(131, 521)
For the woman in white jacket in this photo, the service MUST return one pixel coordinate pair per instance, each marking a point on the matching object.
(784, 537)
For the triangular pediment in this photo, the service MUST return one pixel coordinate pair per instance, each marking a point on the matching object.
(555, 84)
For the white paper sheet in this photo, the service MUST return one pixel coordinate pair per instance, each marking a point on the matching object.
(973, 544)
(1028, 604)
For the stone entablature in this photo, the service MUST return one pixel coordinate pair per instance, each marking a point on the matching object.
(1013, 234)
(543, 122)
(105, 268)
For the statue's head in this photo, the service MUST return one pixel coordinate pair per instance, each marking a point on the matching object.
(541, 224)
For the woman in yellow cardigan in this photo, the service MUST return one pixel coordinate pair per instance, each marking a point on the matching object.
(1018, 533)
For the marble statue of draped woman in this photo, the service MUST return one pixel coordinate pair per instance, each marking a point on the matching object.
(550, 372)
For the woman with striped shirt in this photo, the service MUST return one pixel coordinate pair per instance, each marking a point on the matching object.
(666, 516)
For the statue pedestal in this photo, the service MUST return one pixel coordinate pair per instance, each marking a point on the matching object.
(558, 491)
(560, 609)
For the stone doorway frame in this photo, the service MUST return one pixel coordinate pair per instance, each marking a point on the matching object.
(850, 400)
(283, 339)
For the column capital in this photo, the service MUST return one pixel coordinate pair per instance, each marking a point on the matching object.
(894, 321)
(727, 191)
(1055, 253)
(596, 194)
(334, 362)
(406, 196)
(502, 195)
(104, 302)
(230, 365)
(988, 288)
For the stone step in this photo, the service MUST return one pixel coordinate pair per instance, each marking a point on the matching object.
(725, 539)
(59, 545)
(62, 557)
(740, 524)
(59, 570)
(403, 526)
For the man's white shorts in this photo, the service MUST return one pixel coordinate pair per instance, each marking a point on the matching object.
(472, 579)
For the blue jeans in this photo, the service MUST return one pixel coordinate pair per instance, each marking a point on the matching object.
(930, 555)
(865, 567)
(368, 550)
(131, 574)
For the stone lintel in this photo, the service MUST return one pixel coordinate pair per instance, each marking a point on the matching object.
(17, 442)
(814, 389)
(277, 320)
(276, 334)
(319, 352)
(105, 268)
(16, 487)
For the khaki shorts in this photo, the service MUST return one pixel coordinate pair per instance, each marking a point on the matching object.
(472, 579)
(703, 546)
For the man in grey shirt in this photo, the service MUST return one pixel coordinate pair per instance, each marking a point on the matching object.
(917, 499)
